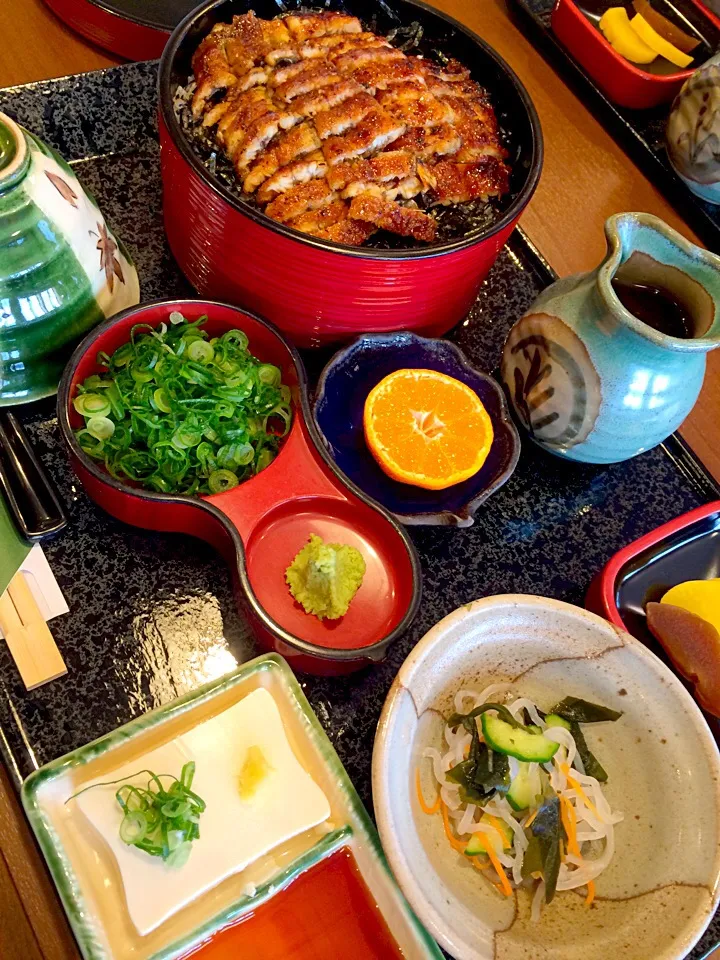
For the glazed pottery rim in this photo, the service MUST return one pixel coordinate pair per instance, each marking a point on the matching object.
(372, 652)
(505, 421)
(402, 684)
(613, 259)
(625, 66)
(480, 234)
(10, 171)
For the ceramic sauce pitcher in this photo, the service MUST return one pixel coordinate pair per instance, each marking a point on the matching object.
(61, 269)
(589, 378)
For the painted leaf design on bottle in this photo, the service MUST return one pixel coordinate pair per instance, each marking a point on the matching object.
(524, 401)
(63, 188)
(108, 261)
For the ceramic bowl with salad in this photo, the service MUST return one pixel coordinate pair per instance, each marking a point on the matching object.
(544, 786)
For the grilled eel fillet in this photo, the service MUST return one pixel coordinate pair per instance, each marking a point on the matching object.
(336, 131)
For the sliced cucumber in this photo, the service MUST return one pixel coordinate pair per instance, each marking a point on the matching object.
(498, 834)
(525, 788)
(518, 742)
(553, 720)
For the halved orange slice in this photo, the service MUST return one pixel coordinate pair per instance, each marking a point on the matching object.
(427, 429)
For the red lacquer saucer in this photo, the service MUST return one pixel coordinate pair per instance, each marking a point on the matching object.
(260, 525)
(135, 29)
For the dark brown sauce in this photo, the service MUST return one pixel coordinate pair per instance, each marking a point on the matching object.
(656, 307)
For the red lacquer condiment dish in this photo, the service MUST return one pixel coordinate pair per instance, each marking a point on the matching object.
(131, 28)
(575, 24)
(687, 548)
(318, 291)
(260, 525)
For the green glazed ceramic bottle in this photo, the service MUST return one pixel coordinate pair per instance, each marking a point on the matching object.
(61, 269)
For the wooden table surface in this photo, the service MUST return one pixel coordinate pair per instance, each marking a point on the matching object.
(586, 178)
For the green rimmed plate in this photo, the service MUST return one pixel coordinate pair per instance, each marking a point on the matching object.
(85, 872)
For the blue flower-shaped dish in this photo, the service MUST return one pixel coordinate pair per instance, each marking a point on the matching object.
(338, 410)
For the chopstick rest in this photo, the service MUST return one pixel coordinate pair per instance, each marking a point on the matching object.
(28, 636)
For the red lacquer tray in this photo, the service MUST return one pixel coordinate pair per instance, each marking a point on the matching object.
(260, 525)
(136, 29)
(687, 548)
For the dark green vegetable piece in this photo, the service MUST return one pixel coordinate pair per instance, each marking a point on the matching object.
(532, 861)
(591, 764)
(468, 719)
(495, 778)
(462, 774)
(161, 821)
(547, 830)
(178, 412)
(582, 711)
(478, 776)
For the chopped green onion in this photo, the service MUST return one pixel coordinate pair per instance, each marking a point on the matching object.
(133, 828)
(179, 412)
(201, 351)
(161, 401)
(160, 821)
(270, 375)
(221, 480)
(100, 427)
(92, 405)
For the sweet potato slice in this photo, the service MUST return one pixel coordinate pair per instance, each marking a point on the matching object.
(693, 645)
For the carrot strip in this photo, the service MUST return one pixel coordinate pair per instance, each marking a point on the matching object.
(590, 893)
(504, 882)
(454, 842)
(421, 800)
(479, 864)
(579, 790)
(531, 818)
(569, 822)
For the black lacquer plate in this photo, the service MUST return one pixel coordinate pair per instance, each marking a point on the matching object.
(640, 132)
(152, 616)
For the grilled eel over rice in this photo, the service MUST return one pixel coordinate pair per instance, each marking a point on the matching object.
(335, 131)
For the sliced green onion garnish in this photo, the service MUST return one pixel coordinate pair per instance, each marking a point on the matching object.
(270, 375)
(221, 480)
(201, 351)
(161, 400)
(133, 828)
(92, 405)
(160, 820)
(101, 428)
(178, 412)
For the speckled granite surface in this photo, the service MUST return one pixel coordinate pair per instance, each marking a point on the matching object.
(152, 616)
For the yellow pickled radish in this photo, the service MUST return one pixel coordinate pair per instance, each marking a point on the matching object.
(701, 597)
(255, 769)
(617, 29)
(660, 45)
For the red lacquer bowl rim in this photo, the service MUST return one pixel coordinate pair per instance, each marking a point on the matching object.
(373, 652)
(191, 158)
(611, 570)
(106, 7)
(654, 79)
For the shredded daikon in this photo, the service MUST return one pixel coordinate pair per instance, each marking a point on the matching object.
(588, 820)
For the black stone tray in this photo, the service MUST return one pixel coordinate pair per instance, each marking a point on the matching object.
(152, 616)
(640, 132)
